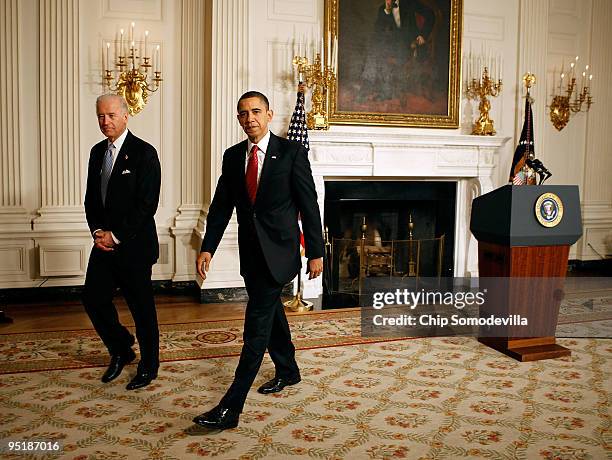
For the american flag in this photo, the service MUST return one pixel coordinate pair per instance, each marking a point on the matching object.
(297, 126)
(519, 178)
(299, 132)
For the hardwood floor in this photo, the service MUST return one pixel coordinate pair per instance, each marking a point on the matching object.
(54, 316)
(70, 315)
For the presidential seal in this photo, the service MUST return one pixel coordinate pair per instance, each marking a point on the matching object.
(549, 210)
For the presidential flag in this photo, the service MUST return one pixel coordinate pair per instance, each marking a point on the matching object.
(524, 148)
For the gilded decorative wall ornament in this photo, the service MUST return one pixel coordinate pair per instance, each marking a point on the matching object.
(562, 106)
(132, 80)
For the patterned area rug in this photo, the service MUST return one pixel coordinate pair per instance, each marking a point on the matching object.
(586, 316)
(421, 398)
(83, 348)
(578, 317)
(442, 398)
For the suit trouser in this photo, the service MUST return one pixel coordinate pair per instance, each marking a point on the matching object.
(105, 273)
(265, 326)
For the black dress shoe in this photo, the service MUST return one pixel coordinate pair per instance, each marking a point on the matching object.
(141, 379)
(277, 384)
(116, 365)
(219, 418)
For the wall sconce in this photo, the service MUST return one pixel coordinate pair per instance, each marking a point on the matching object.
(562, 106)
(132, 81)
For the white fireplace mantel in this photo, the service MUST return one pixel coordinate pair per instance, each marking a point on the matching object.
(469, 161)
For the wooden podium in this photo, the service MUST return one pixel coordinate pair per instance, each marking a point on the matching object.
(524, 234)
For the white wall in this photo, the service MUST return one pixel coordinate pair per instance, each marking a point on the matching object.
(211, 54)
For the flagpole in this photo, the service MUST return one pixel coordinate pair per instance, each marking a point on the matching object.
(298, 132)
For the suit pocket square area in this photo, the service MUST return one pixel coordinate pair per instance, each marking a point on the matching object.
(126, 171)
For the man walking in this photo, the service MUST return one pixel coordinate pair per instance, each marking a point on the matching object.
(123, 184)
(268, 180)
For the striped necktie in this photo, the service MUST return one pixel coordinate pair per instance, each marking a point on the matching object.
(107, 169)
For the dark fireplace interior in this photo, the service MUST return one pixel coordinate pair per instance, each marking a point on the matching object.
(387, 207)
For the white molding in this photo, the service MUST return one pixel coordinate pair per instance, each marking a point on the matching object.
(19, 251)
(597, 186)
(10, 151)
(129, 9)
(292, 10)
(484, 27)
(61, 162)
(230, 61)
(533, 29)
(59, 260)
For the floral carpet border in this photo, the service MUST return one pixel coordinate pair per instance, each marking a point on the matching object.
(36, 341)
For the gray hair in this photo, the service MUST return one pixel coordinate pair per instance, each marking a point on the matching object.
(116, 97)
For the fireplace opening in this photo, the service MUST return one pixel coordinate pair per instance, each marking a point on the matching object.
(381, 230)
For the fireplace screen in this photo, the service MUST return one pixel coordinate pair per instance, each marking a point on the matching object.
(355, 264)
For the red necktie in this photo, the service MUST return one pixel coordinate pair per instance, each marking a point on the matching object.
(251, 175)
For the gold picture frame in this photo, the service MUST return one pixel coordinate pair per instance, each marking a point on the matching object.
(386, 74)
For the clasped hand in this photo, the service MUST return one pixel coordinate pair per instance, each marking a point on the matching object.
(103, 240)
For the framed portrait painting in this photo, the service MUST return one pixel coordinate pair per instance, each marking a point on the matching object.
(397, 62)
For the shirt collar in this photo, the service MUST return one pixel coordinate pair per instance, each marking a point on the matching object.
(261, 145)
(119, 141)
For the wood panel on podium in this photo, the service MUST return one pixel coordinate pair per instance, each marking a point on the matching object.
(524, 260)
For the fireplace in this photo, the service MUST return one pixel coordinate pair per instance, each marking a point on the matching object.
(387, 174)
(396, 211)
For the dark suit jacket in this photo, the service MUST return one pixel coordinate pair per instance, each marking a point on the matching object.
(285, 188)
(131, 199)
(409, 30)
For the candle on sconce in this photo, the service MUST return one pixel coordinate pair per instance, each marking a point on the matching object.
(132, 31)
(133, 55)
(157, 66)
(328, 50)
(498, 67)
(323, 54)
(335, 58)
(107, 53)
(145, 42)
(121, 43)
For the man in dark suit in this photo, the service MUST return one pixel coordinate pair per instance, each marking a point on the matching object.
(123, 183)
(268, 180)
(400, 36)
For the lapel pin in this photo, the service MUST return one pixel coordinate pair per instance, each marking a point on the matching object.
(274, 157)
(126, 157)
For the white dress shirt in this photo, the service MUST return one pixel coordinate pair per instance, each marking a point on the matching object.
(118, 144)
(115, 151)
(262, 147)
(396, 14)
